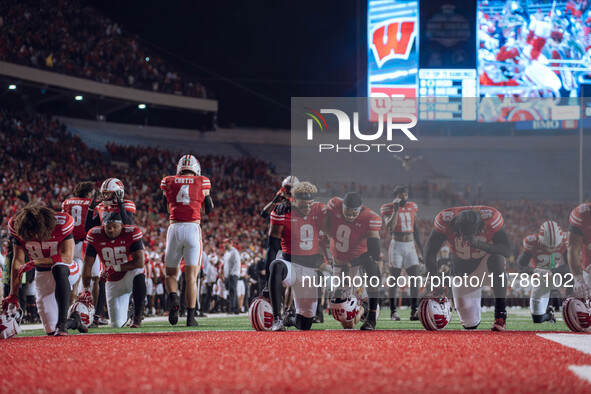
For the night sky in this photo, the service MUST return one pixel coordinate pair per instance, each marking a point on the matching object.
(255, 55)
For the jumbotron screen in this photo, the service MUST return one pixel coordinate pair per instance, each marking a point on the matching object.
(481, 60)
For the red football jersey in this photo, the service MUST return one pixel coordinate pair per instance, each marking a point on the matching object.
(116, 251)
(184, 194)
(349, 240)
(78, 209)
(103, 209)
(304, 230)
(540, 256)
(493, 222)
(580, 218)
(39, 250)
(406, 216)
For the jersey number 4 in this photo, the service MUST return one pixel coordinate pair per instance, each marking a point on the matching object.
(183, 195)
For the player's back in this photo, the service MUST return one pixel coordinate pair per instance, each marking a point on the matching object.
(77, 207)
(184, 194)
(37, 249)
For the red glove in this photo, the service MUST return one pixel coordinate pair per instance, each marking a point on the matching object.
(85, 298)
(106, 273)
(25, 268)
(10, 300)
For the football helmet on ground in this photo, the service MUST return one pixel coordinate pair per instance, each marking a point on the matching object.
(577, 314)
(85, 311)
(260, 314)
(10, 321)
(435, 313)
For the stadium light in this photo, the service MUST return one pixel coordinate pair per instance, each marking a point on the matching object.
(79, 98)
(12, 87)
(141, 106)
(147, 58)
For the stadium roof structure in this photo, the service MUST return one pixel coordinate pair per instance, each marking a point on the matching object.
(63, 95)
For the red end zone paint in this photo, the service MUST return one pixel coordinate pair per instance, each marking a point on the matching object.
(325, 361)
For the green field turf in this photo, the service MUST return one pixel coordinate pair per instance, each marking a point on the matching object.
(518, 320)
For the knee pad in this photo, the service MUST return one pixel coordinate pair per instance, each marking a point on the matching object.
(496, 264)
(472, 327)
(303, 323)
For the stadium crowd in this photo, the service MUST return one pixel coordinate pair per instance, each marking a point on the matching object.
(43, 162)
(72, 38)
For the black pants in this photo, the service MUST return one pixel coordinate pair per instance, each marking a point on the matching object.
(231, 283)
(206, 305)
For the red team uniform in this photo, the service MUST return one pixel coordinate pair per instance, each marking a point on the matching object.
(115, 252)
(406, 216)
(580, 218)
(402, 254)
(540, 256)
(44, 281)
(300, 247)
(493, 222)
(77, 207)
(102, 209)
(348, 240)
(184, 194)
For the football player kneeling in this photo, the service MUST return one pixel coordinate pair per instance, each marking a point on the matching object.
(10, 321)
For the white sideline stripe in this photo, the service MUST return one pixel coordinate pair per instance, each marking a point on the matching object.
(582, 371)
(578, 342)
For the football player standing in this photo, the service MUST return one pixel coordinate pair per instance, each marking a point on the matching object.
(46, 236)
(400, 220)
(355, 242)
(184, 193)
(121, 250)
(77, 207)
(547, 252)
(295, 231)
(478, 244)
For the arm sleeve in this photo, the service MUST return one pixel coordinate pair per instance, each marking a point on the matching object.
(373, 248)
(523, 262)
(91, 220)
(164, 202)
(137, 245)
(208, 204)
(90, 251)
(501, 244)
(432, 246)
(417, 236)
(126, 216)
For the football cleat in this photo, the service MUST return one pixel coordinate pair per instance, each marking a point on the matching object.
(289, 318)
(136, 322)
(192, 322)
(78, 323)
(576, 314)
(434, 313)
(550, 313)
(414, 315)
(394, 316)
(368, 325)
(173, 310)
(278, 324)
(84, 312)
(499, 325)
(60, 330)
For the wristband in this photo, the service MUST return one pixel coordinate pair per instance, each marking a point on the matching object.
(117, 268)
(56, 258)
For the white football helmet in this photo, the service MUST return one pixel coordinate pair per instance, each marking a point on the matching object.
(85, 311)
(10, 321)
(213, 258)
(577, 314)
(550, 235)
(260, 314)
(435, 313)
(290, 181)
(190, 163)
(111, 189)
(345, 310)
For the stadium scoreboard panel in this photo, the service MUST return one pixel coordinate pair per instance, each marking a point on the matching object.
(468, 60)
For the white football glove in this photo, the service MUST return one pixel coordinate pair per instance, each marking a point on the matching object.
(396, 201)
(581, 289)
